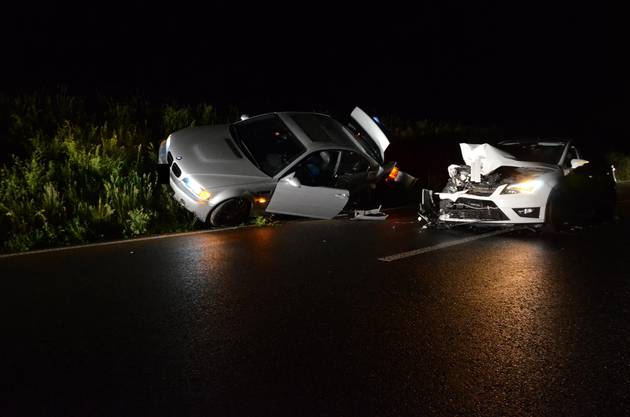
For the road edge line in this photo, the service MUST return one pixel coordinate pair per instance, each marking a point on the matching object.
(121, 241)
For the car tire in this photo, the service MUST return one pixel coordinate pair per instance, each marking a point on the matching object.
(554, 220)
(230, 212)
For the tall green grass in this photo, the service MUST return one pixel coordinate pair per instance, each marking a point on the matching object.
(75, 172)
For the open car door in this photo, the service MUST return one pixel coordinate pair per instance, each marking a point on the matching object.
(369, 134)
(291, 197)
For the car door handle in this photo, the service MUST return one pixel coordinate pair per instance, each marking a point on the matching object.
(341, 195)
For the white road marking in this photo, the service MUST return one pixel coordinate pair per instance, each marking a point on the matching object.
(439, 246)
(119, 242)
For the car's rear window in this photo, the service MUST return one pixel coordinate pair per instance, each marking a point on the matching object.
(320, 128)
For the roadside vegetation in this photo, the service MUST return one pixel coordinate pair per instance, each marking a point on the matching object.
(621, 163)
(74, 170)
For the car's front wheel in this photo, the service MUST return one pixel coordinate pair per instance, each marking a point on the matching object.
(230, 212)
(554, 215)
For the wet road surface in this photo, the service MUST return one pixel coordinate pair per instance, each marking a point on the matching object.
(304, 319)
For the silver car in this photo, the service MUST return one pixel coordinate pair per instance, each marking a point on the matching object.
(302, 164)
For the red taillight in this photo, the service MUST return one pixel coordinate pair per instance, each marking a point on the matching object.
(393, 174)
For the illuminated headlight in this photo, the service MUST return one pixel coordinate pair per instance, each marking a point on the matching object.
(525, 187)
(168, 142)
(196, 189)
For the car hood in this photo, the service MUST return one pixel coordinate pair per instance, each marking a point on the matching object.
(488, 167)
(210, 155)
(488, 158)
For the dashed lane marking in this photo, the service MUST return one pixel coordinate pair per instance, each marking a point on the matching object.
(444, 245)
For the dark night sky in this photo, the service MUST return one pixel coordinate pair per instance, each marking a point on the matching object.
(553, 67)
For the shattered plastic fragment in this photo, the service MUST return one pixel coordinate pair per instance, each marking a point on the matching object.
(373, 214)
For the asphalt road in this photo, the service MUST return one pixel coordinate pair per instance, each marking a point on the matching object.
(307, 319)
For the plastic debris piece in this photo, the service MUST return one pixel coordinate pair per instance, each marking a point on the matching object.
(428, 210)
(373, 214)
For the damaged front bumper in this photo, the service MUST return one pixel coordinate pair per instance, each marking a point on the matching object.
(497, 208)
(493, 188)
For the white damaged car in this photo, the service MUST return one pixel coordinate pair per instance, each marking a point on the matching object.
(532, 182)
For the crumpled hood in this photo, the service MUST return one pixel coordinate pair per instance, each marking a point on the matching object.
(487, 168)
(209, 154)
(487, 158)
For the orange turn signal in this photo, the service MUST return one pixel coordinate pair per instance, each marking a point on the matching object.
(393, 173)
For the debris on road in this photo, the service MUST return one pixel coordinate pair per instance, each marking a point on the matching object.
(373, 214)
(427, 212)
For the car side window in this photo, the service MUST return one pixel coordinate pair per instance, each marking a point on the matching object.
(317, 169)
(352, 171)
(268, 142)
(352, 163)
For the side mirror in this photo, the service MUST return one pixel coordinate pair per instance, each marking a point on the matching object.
(292, 181)
(576, 163)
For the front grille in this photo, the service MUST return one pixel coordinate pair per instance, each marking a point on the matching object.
(482, 215)
(470, 209)
(176, 170)
(475, 204)
(169, 158)
(482, 190)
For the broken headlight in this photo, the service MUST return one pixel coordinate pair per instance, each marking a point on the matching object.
(525, 187)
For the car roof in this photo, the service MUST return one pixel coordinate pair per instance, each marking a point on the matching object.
(307, 142)
(285, 113)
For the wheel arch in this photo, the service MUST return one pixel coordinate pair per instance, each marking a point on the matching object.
(228, 194)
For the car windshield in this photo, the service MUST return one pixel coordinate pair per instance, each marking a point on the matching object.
(267, 142)
(545, 152)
